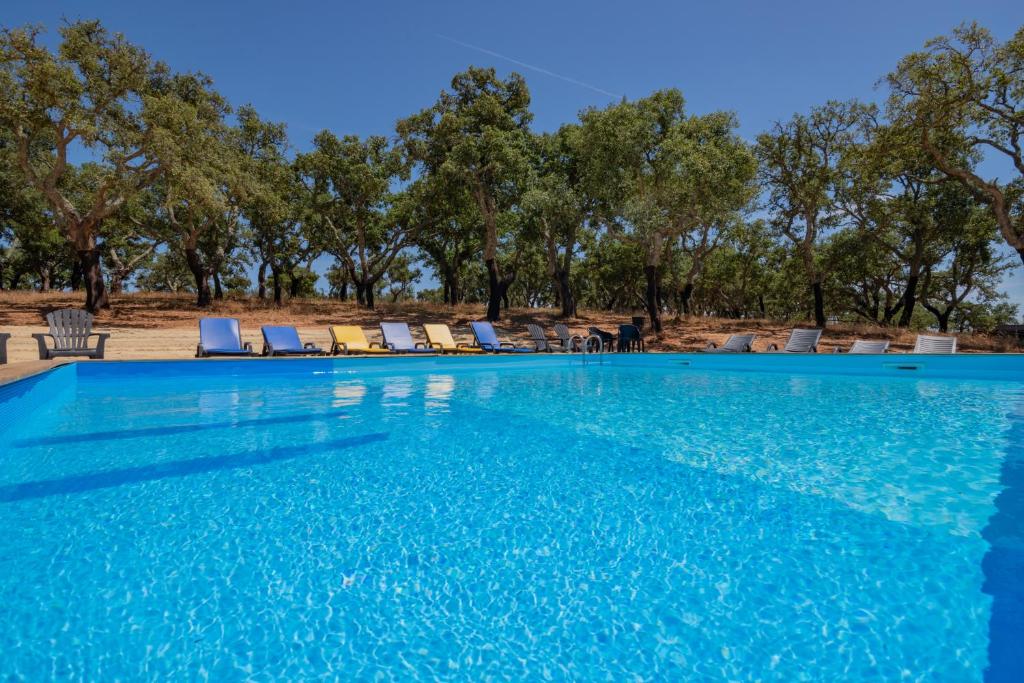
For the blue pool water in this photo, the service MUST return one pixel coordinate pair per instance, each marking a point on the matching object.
(657, 517)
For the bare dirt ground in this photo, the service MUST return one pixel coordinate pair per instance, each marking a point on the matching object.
(150, 325)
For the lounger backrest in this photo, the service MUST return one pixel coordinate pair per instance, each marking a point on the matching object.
(439, 334)
(933, 344)
(220, 333)
(739, 342)
(350, 335)
(627, 332)
(803, 341)
(864, 346)
(397, 335)
(537, 334)
(282, 337)
(70, 328)
(563, 333)
(485, 334)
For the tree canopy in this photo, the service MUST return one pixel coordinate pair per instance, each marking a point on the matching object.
(117, 172)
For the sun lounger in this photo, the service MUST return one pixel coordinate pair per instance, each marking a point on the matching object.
(869, 346)
(439, 337)
(487, 339)
(573, 342)
(70, 330)
(4, 336)
(283, 340)
(800, 341)
(607, 338)
(934, 344)
(221, 337)
(630, 339)
(541, 341)
(736, 343)
(350, 339)
(398, 338)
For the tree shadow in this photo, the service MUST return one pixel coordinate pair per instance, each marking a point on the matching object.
(81, 483)
(169, 430)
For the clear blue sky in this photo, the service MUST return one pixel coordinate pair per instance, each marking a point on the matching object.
(358, 67)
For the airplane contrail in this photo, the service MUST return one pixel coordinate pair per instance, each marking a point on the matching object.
(528, 66)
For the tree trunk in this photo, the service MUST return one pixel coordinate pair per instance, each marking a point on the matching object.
(565, 295)
(218, 289)
(454, 290)
(293, 287)
(44, 281)
(368, 293)
(819, 304)
(495, 292)
(199, 273)
(651, 297)
(360, 293)
(343, 291)
(95, 291)
(909, 301)
(684, 299)
(261, 280)
(116, 283)
(275, 273)
(76, 275)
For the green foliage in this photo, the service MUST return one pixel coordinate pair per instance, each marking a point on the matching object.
(970, 85)
(841, 212)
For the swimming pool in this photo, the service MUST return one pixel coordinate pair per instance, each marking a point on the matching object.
(657, 516)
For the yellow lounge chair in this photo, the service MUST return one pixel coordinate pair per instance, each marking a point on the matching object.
(350, 339)
(440, 337)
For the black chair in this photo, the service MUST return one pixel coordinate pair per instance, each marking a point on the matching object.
(630, 339)
(607, 338)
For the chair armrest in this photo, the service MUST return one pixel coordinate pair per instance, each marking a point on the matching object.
(40, 338)
(309, 345)
(464, 345)
(101, 342)
(247, 346)
(711, 345)
(421, 345)
(377, 345)
(267, 350)
(502, 345)
(772, 347)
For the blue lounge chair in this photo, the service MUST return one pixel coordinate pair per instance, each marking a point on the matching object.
(283, 340)
(398, 338)
(221, 337)
(487, 339)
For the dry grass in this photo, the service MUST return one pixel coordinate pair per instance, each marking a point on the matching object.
(153, 325)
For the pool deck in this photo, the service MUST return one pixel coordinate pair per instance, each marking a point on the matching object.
(15, 371)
